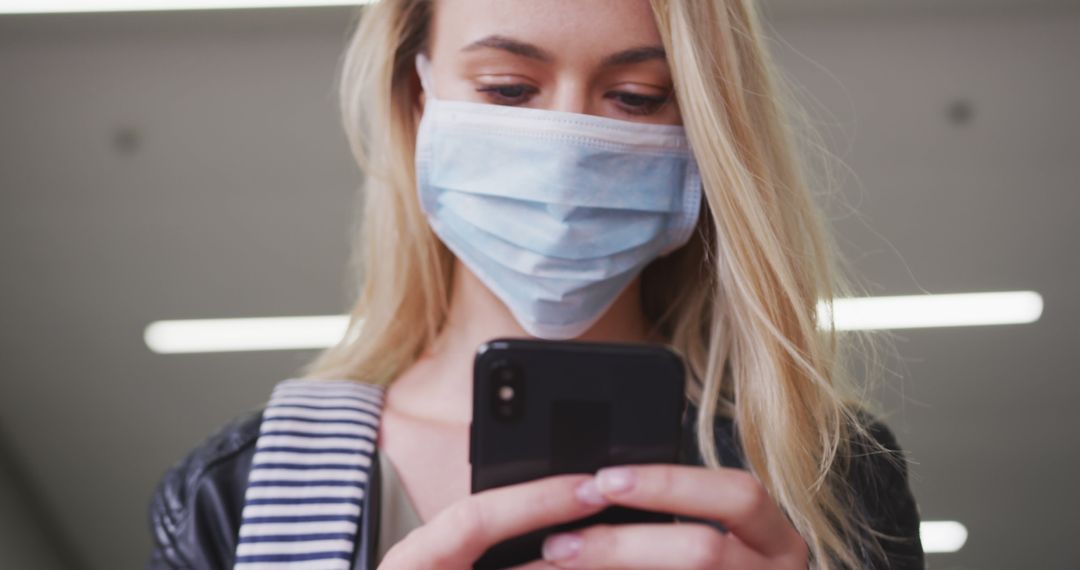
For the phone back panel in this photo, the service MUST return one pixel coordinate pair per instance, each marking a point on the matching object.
(571, 407)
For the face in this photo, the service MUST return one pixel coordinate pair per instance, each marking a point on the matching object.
(597, 57)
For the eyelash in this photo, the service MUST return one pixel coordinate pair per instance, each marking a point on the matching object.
(645, 105)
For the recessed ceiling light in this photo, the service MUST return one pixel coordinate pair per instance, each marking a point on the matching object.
(942, 536)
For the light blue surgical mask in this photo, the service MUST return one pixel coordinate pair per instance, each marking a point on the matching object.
(555, 212)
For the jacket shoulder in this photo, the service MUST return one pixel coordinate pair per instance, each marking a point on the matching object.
(878, 473)
(195, 510)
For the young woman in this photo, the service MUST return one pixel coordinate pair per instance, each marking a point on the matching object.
(616, 170)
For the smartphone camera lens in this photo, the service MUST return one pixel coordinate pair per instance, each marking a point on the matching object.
(507, 391)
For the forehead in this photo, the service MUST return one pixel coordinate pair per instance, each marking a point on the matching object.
(571, 30)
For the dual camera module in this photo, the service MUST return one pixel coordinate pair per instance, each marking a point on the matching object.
(507, 390)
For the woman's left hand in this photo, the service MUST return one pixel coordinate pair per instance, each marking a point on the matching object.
(760, 535)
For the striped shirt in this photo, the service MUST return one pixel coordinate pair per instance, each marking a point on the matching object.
(309, 475)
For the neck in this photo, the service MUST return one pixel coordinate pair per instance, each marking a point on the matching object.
(439, 385)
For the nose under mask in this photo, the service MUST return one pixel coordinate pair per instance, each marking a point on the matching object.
(556, 213)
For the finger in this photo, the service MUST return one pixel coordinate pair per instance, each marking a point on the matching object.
(731, 496)
(459, 534)
(659, 546)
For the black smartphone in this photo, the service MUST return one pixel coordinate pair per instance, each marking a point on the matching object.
(545, 408)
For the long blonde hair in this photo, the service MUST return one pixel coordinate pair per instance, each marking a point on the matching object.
(740, 301)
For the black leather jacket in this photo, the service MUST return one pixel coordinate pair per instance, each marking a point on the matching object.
(195, 511)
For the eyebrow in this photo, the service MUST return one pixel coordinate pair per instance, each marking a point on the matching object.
(634, 55)
(510, 45)
(525, 49)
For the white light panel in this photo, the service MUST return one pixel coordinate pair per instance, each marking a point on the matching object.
(942, 536)
(228, 335)
(928, 311)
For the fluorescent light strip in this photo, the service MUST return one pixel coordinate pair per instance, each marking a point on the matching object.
(928, 311)
(942, 536)
(70, 6)
(230, 335)
(298, 333)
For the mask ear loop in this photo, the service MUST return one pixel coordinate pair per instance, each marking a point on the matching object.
(423, 69)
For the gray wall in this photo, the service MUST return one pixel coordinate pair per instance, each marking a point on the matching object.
(190, 165)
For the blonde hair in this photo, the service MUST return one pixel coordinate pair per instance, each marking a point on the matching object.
(739, 301)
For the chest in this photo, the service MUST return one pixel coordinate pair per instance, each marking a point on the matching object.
(431, 460)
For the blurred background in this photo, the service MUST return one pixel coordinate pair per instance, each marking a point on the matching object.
(190, 165)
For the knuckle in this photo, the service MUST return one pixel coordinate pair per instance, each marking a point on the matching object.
(705, 549)
(556, 497)
(397, 555)
(800, 551)
(543, 502)
(601, 540)
(662, 480)
(464, 526)
(469, 518)
(752, 495)
(393, 559)
(389, 560)
(426, 543)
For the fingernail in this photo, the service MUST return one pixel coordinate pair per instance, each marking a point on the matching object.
(614, 479)
(589, 493)
(561, 546)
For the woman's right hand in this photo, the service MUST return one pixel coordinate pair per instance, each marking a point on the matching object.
(462, 532)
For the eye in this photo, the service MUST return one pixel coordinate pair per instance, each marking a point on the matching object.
(515, 94)
(636, 103)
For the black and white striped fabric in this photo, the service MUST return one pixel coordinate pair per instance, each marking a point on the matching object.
(308, 476)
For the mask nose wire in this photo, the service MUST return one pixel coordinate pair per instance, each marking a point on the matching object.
(423, 69)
